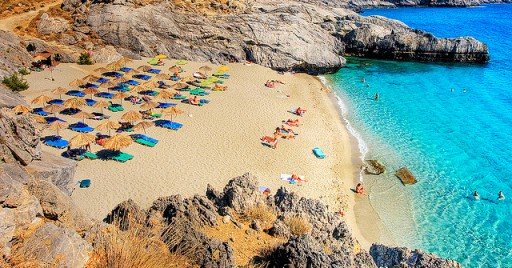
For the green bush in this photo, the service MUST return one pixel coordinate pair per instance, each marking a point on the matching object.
(85, 59)
(15, 82)
(24, 71)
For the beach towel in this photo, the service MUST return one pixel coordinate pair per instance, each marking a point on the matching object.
(39, 111)
(154, 71)
(113, 74)
(90, 102)
(168, 124)
(319, 153)
(164, 105)
(106, 95)
(81, 127)
(288, 178)
(51, 119)
(56, 102)
(102, 80)
(75, 93)
(125, 69)
(142, 76)
(55, 141)
(85, 183)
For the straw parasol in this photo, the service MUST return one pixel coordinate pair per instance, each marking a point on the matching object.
(74, 103)
(118, 142)
(101, 70)
(180, 86)
(91, 78)
(143, 125)
(114, 65)
(57, 125)
(131, 72)
(162, 76)
(138, 88)
(120, 96)
(165, 94)
(59, 91)
(77, 83)
(82, 139)
(174, 69)
(21, 109)
(205, 69)
(91, 91)
(172, 111)
(144, 68)
(82, 115)
(39, 119)
(101, 104)
(131, 116)
(108, 84)
(108, 125)
(149, 84)
(53, 108)
(121, 80)
(43, 99)
(149, 105)
(188, 79)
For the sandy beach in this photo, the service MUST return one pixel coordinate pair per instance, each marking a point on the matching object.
(221, 140)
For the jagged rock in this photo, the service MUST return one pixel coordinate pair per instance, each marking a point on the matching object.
(406, 176)
(57, 206)
(242, 193)
(214, 195)
(374, 167)
(55, 169)
(9, 98)
(14, 55)
(60, 54)
(402, 258)
(49, 25)
(256, 225)
(19, 139)
(279, 229)
(126, 214)
(7, 228)
(106, 55)
(197, 210)
(52, 246)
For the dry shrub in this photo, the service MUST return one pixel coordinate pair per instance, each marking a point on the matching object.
(132, 248)
(298, 225)
(262, 213)
(264, 257)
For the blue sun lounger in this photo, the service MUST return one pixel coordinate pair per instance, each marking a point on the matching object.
(91, 85)
(163, 105)
(90, 102)
(168, 124)
(102, 80)
(39, 111)
(51, 119)
(56, 102)
(75, 93)
(154, 71)
(70, 111)
(113, 74)
(132, 83)
(106, 95)
(81, 127)
(142, 76)
(121, 88)
(125, 69)
(319, 153)
(144, 137)
(55, 141)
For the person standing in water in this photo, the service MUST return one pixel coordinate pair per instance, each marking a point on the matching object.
(376, 98)
(476, 196)
(501, 196)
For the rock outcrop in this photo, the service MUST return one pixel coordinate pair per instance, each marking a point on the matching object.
(403, 257)
(51, 25)
(14, 55)
(287, 35)
(19, 139)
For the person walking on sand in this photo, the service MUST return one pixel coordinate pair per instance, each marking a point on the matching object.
(501, 196)
(476, 196)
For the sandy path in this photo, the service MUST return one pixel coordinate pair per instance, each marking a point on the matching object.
(11, 22)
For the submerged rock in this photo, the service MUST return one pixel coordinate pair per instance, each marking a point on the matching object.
(374, 167)
(406, 176)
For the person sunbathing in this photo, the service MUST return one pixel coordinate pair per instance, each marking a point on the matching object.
(293, 123)
(288, 129)
(271, 141)
(300, 111)
(194, 101)
(218, 87)
(269, 84)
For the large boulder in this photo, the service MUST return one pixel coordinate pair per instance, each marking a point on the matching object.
(9, 98)
(242, 193)
(52, 25)
(19, 138)
(395, 257)
(14, 55)
(52, 246)
(55, 169)
(7, 229)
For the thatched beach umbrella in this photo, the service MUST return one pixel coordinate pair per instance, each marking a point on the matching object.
(91, 78)
(188, 79)
(138, 88)
(39, 118)
(83, 115)
(120, 96)
(74, 103)
(143, 125)
(131, 116)
(121, 80)
(53, 108)
(205, 69)
(108, 125)
(162, 76)
(43, 99)
(144, 68)
(174, 69)
(114, 66)
(82, 139)
(118, 142)
(101, 104)
(59, 91)
(179, 86)
(172, 111)
(57, 125)
(165, 94)
(101, 70)
(149, 105)
(21, 109)
(131, 72)
(90, 91)
(149, 84)
(108, 84)
(77, 83)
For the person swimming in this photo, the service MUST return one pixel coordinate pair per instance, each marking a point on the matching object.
(501, 196)
(376, 96)
(476, 196)
(360, 188)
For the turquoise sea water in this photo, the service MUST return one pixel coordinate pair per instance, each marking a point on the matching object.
(454, 142)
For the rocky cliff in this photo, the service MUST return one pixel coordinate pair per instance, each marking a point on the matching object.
(309, 37)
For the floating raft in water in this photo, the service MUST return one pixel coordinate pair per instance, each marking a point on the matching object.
(406, 176)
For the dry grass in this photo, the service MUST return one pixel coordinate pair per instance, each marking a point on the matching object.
(298, 225)
(262, 213)
(263, 259)
(14, 7)
(132, 248)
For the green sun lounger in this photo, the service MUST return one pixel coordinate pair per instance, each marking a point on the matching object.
(156, 115)
(180, 97)
(115, 108)
(145, 142)
(90, 155)
(122, 157)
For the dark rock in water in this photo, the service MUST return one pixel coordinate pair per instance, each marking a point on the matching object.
(374, 167)
(403, 257)
(406, 176)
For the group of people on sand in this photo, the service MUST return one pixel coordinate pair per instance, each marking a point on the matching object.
(501, 196)
(285, 131)
(272, 83)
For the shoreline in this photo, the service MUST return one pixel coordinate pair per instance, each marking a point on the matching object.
(225, 135)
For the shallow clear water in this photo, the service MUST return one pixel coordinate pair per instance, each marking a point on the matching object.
(454, 142)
